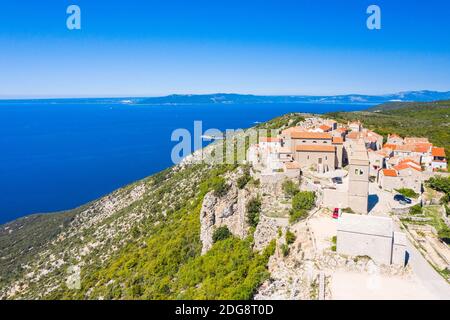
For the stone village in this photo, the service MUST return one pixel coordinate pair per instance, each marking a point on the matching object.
(354, 235)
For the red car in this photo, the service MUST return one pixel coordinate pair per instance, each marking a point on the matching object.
(336, 213)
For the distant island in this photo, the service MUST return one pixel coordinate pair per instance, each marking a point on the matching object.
(232, 98)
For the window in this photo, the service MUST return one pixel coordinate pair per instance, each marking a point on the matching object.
(324, 141)
(359, 172)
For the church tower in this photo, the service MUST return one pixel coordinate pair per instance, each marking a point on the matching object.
(358, 187)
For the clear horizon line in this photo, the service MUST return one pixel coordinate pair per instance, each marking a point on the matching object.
(124, 96)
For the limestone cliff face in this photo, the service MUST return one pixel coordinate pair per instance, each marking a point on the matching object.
(229, 210)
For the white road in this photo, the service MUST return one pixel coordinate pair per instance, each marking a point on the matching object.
(425, 273)
(429, 277)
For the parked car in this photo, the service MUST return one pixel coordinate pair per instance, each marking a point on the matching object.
(336, 212)
(337, 180)
(402, 199)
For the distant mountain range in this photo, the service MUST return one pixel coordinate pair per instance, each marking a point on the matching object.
(227, 98)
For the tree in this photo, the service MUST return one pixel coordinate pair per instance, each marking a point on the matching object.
(290, 188)
(302, 202)
(221, 233)
(244, 179)
(290, 237)
(253, 210)
(219, 186)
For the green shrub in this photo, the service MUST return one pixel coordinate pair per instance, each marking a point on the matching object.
(410, 193)
(441, 184)
(334, 239)
(221, 233)
(290, 237)
(333, 248)
(290, 188)
(444, 234)
(219, 186)
(244, 179)
(295, 216)
(303, 200)
(416, 209)
(253, 210)
(284, 250)
(348, 210)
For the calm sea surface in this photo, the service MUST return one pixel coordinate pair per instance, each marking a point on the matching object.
(58, 156)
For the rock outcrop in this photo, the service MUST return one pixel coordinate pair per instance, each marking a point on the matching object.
(228, 210)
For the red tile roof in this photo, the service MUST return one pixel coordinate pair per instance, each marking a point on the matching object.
(403, 166)
(353, 135)
(338, 140)
(408, 160)
(389, 172)
(421, 148)
(325, 128)
(390, 146)
(311, 135)
(313, 148)
(288, 131)
(438, 152)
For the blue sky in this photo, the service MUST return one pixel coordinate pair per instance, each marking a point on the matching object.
(149, 47)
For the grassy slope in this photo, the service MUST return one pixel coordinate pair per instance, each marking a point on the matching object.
(21, 239)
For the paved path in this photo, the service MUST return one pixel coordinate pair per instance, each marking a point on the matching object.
(429, 277)
(425, 273)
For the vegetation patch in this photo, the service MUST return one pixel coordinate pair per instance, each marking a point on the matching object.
(302, 202)
(219, 186)
(290, 189)
(253, 211)
(244, 179)
(441, 184)
(409, 193)
(221, 233)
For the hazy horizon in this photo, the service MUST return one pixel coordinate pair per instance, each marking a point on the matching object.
(99, 96)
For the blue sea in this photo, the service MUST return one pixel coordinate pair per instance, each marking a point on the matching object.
(57, 156)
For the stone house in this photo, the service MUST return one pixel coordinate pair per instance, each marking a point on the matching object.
(439, 161)
(404, 175)
(372, 236)
(394, 139)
